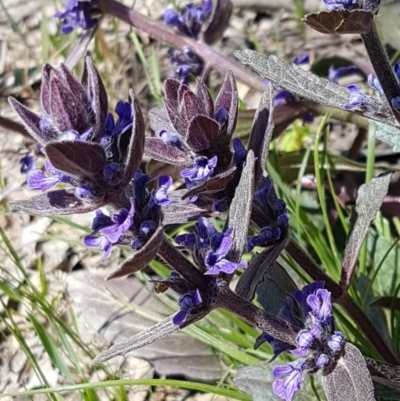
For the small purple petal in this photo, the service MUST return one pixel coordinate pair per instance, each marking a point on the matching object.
(37, 179)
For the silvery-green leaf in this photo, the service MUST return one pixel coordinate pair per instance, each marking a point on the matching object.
(369, 200)
(303, 83)
(145, 337)
(350, 379)
(240, 209)
(387, 134)
(262, 130)
(56, 203)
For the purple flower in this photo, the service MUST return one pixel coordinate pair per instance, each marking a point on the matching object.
(216, 261)
(302, 59)
(340, 4)
(357, 99)
(203, 168)
(335, 73)
(320, 304)
(91, 241)
(185, 63)
(186, 302)
(160, 196)
(123, 220)
(240, 152)
(322, 360)
(114, 128)
(170, 138)
(292, 374)
(189, 21)
(27, 163)
(209, 248)
(84, 14)
(37, 179)
(335, 341)
(272, 211)
(374, 83)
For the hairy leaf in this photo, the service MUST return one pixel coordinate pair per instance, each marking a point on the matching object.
(146, 337)
(139, 259)
(369, 200)
(273, 290)
(222, 11)
(228, 99)
(387, 134)
(262, 130)
(201, 132)
(384, 373)
(79, 158)
(132, 149)
(30, 120)
(340, 21)
(53, 203)
(98, 95)
(156, 149)
(350, 379)
(302, 83)
(240, 209)
(258, 270)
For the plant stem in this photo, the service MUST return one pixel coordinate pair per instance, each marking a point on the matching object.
(14, 126)
(178, 262)
(160, 31)
(382, 67)
(256, 317)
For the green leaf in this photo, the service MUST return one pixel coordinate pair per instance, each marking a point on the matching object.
(51, 348)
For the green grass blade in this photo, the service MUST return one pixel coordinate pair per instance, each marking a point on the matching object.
(206, 388)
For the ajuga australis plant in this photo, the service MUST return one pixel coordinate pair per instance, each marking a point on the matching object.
(94, 158)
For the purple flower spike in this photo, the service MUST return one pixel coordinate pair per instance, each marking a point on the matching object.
(189, 21)
(202, 169)
(185, 63)
(186, 302)
(123, 220)
(287, 387)
(84, 14)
